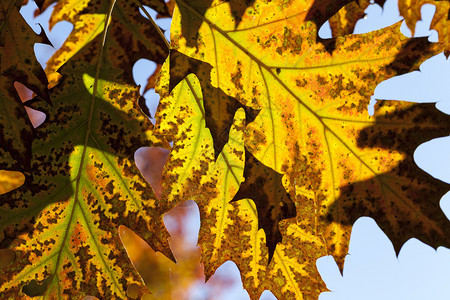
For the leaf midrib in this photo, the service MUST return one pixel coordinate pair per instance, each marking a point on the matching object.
(83, 155)
(317, 116)
(269, 70)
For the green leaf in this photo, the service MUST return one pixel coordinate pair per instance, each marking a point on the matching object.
(83, 183)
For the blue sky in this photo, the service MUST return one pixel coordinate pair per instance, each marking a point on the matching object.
(371, 270)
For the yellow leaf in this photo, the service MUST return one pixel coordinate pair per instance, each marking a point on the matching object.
(10, 180)
(410, 10)
(344, 21)
(88, 18)
(183, 117)
(315, 160)
(86, 28)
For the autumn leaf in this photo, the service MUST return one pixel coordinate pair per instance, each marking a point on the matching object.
(71, 8)
(18, 63)
(404, 200)
(344, 21)
(271, 138)
(191, 172)
(410, 10)
(181, 117)
(219, 107)
(63, 222)
(341, 18)
(88, 18)
(311, 108)
(10, 180)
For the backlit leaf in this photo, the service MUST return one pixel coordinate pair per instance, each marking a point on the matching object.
(18, 63)
(314, 158)
(63, 222)
(193, 173)
(271, 137)
(87, 17)
(10, 180)
(219, 107)
(183, 121)
(410, 10)
(230, 229)
(264, 186)
(344, 21)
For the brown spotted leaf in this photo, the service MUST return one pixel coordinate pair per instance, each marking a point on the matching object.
(194, 172)
(135, 36)
(344, 21)
(181, 117)
(18, 63)
(229, 228)
(219, 107)
(410, 10)
(312, 109)
(321, 11)
(404, 200)
(63, 222)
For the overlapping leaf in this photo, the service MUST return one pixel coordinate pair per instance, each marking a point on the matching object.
(87, 18)
(83, 183)
(228, 227)
(312, 137)
(410, 10)
(192, 172)
(18, 63)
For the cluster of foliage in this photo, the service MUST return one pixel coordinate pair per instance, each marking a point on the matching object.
(270, 130)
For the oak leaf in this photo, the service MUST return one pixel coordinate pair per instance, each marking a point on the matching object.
(18, 63)
(410, 10)
(88, 18)
(312, 128)
(344, 21)
(63, 222)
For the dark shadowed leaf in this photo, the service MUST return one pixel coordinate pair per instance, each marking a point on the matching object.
(18, 63)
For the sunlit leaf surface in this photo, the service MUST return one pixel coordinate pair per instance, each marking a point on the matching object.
(271, 137)
(344, 21)
(314, 159)
(88, 17)
(411, 11)
(63, 222)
